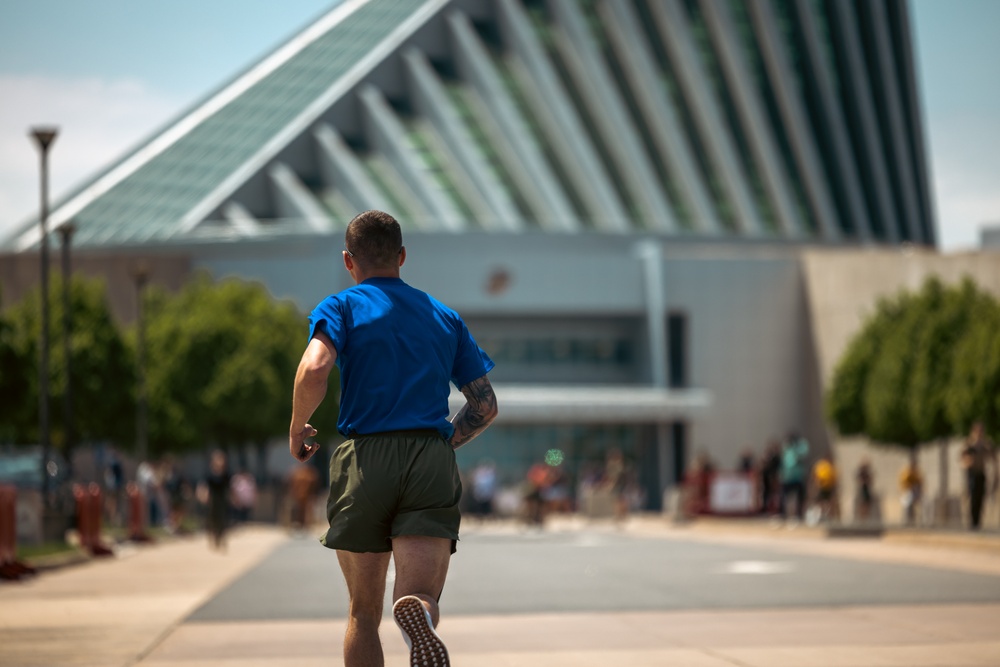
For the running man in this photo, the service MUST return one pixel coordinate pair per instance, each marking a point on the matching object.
(394, 484)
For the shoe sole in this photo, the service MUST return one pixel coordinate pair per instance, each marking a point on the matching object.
(426, 647)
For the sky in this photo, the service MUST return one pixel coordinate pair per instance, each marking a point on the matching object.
(110, 73)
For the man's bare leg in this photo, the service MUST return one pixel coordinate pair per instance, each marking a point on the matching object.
(421, 565)
(421, 569)
(365, 576)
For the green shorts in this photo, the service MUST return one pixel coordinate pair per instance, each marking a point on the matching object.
(385, 485)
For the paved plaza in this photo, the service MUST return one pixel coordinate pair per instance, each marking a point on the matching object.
(707, 594)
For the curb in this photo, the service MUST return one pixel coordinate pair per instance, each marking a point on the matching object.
(59, 561)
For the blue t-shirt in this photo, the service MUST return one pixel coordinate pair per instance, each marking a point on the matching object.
(397, 349)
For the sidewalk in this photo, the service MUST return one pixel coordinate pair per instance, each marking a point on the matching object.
(128, 610)
(109, 612)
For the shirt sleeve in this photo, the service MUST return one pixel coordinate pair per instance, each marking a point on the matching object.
(328, 318)
(471, 363)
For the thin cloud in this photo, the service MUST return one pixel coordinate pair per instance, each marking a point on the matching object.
(98, 120)
(966, 170)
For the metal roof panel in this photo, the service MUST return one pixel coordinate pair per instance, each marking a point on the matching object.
(152, 197)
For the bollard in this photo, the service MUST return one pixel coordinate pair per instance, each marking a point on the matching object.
(88, 518)
(95, 508)
(83, 516)
(8, 533)
(136, 514)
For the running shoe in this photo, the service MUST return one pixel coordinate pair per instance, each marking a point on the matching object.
(413, 619)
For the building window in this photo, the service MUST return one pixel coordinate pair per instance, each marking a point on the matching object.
(603, 352)
(677, 350)
(678, 445)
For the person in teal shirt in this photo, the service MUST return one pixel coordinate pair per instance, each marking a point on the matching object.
(793, 474)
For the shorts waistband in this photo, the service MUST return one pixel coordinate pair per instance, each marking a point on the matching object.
(405, 433)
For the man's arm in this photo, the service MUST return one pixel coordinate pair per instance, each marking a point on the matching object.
(310, 389)
(478, 412)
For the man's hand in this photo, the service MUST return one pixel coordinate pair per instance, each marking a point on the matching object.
(299, 448)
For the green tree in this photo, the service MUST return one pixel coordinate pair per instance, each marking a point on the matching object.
(221, 366)
(101, 366)
(915, 371)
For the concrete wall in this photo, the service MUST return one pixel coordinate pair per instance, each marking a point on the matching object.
(747, 329)
(843, 287)
(746, 336)
(20, 274)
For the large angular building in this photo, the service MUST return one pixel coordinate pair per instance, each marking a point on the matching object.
(620, 196)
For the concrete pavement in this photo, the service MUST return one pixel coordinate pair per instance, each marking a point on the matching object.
(129, 610)
(111, 611)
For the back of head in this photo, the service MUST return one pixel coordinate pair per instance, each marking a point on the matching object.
(374, 240)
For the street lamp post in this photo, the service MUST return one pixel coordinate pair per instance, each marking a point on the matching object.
(44, 136)
(141, 276)
(66, 233)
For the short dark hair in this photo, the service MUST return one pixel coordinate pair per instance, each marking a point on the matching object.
(374, 239)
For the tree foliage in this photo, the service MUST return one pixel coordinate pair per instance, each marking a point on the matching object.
(100, 366)
(974, 392)
(16, 371)
(913, 373)
(948, 314)
(886, 409)
(845, 401)
(220, 366)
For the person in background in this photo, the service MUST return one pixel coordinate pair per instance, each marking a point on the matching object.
(865, 500)
(698, 485)
(215, 493)
(244, 495)
(114, 482)
(911, 484)
(770, 479)
(793, 474)
(484, 488)
(557, 495)
(148, 478)
(825, 481)
(536, 481)
(176, 489)
(616, 481)
(978, 458)
(303, 483)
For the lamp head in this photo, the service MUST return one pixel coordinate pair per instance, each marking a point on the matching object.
(44, 136)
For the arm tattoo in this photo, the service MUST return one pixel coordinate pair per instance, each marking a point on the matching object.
(478, 412)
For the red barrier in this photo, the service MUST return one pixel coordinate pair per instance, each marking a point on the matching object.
(136, 514)
(696, 493)
(89, 505)
(10, 567)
